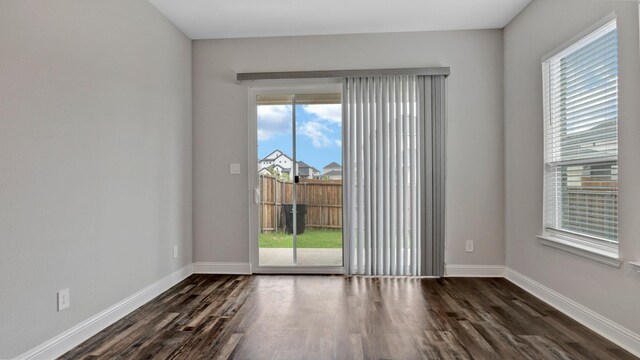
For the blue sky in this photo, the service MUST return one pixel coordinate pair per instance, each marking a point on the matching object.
(319, 132)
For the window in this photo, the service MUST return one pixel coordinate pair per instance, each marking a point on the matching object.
(581, 140)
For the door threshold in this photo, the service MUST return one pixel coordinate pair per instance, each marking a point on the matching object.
(300, 270)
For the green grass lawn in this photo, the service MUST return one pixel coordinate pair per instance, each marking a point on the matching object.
(312, 238)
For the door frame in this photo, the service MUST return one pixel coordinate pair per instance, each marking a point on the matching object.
(284, 88)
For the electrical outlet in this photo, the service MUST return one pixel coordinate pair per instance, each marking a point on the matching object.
(175, 251)
(64, 301)
(469, 246)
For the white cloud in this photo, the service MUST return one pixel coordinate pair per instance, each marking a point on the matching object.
(273, 120)
(317, 132)
(328, 112)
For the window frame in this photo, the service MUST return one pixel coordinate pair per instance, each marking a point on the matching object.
(592, 247)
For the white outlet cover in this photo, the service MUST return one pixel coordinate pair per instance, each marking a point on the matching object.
(175, 251)
(64, 301)
(234, 169)
(469, 246)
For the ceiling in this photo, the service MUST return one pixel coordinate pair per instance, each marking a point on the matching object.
(214, 19)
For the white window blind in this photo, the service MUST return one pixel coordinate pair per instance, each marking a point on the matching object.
(394, 174)
(384, 175)
(581, 131)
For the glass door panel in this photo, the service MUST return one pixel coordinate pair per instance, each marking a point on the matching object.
(300, 180)
(275, 175)
(319, 154)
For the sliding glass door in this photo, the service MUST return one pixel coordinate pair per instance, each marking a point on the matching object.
(299, 181)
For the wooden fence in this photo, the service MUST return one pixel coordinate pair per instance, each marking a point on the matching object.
(323, 199)
(589, 208)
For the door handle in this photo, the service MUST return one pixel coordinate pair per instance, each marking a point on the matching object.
(256, 195)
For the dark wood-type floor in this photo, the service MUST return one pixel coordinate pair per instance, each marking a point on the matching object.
(335, 317)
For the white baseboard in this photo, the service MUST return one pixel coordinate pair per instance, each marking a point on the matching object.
(67, 340)
(605, 327)
(473, 270)
(222, 268)
(71, 338)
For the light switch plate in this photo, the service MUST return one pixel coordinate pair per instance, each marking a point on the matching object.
(234, 169)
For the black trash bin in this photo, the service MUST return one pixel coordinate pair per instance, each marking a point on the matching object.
(301, 209)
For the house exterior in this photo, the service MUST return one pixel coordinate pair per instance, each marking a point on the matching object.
(307, 171)
(272, 156)
(332, 175)
(277, 170)
(332, 171)
(283, 161)
(280, 163)
(276, 158)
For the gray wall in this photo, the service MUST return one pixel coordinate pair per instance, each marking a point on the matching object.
(475, 143)
(541, 27)
(95, 159)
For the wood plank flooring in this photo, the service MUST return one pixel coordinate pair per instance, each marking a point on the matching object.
(335, 317)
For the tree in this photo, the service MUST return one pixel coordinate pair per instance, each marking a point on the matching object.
(278, 175)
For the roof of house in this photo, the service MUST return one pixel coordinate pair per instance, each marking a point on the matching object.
(333, 173)
(281, 155)
(586, 140)
(268, 157)
(333, 165)
(304, 165)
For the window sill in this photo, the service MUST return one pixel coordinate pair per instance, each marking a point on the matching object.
(635, 265)
(602, 256)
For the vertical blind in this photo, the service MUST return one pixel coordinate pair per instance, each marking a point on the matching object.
(581, 147)
(387, 118)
